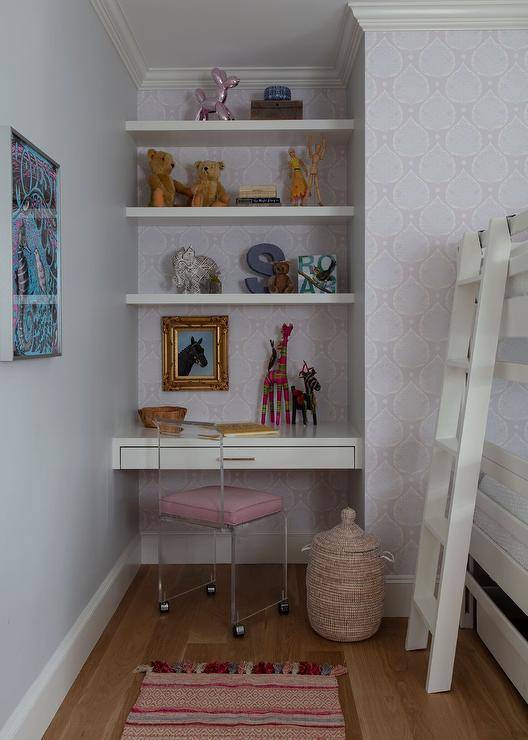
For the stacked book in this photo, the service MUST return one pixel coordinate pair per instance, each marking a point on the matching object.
(258, 195)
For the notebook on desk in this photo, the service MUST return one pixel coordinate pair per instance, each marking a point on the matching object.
(246, 429)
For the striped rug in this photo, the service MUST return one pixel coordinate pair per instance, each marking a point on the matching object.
(236, 705)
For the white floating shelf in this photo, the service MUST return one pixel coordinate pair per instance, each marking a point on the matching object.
(237, 133)
(241, 215)
(237, 299)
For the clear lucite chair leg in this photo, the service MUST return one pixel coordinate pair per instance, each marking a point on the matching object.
(284, 606)
(210, 588)
(214, 556)
(238, 629)
(162, 585)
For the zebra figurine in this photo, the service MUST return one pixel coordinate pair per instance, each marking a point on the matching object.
(306, 401)
(192, 273)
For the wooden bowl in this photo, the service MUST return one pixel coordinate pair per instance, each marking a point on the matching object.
(171, 413)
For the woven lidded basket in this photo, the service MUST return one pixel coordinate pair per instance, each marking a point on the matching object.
(345, 582)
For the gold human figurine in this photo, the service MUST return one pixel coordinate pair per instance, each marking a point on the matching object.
(316, 154)
(298, 186)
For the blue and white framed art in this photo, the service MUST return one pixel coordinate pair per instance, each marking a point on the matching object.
(30, 258)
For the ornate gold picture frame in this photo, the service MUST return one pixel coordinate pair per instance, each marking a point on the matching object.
(195, 353)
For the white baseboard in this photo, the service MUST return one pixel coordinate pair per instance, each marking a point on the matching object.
(39, 704)
(194, 548)
(398, 595)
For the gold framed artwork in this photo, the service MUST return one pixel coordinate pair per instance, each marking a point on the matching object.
(194, 355)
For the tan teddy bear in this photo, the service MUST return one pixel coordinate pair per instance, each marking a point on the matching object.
(208, 190)
(163, 188)
(280, 282)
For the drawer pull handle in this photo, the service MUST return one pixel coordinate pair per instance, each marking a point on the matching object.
(237, 459)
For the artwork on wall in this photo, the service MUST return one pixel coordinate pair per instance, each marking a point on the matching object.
(30, 269)
(194, 355)
(317, 273)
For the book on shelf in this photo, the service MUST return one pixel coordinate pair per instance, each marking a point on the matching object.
(270, 187)
(258, 201)
(245, 429)
(257, 190)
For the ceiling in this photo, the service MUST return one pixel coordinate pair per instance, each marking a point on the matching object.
(236, 33)
(172, 43)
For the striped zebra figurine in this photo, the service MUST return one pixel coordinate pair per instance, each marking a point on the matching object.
(277, 377)
(306, 401)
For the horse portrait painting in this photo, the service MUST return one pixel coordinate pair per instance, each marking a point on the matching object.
(195, 354)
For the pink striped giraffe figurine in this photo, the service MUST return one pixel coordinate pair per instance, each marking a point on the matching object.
(278, 378)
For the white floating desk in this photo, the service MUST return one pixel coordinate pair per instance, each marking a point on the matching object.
(325, 447)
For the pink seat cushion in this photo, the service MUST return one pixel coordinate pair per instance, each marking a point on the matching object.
(241, 505)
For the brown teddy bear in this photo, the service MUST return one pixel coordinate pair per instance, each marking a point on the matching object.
(208, 190)
(163, 188)
(280, 282)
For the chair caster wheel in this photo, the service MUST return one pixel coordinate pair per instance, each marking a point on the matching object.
(239, 630)
(284, 607)
(164, 607)
(210, 589)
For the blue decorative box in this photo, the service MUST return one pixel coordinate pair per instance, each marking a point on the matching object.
(277, 92)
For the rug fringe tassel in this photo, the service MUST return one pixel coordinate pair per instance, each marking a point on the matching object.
(245, 667)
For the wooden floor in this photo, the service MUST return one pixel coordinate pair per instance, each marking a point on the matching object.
(383, 697)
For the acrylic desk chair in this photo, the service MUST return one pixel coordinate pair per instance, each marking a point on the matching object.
(212, 509)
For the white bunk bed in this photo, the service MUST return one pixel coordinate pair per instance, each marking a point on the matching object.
(499, 541)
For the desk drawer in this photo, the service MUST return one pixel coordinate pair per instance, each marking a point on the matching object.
(287, 458)
(179, 458)
(239, 458)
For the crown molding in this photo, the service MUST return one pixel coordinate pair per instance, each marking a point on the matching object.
(379, 15)
(348, 47)
(250, 77)
(116, 25)
(182, 78)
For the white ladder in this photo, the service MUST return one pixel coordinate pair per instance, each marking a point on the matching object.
(457, 452)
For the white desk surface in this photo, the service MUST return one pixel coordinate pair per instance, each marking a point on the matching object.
(326, 446)
(325, 434)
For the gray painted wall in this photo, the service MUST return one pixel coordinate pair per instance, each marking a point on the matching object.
(65, 516)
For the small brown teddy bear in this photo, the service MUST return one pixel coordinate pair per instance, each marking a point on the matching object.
(208, 190)
(163, 188)
(280, 282)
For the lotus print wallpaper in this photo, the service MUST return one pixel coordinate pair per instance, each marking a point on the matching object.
(446, 131)
(446, 123)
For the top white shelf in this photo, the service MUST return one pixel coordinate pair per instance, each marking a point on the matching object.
(237, 133)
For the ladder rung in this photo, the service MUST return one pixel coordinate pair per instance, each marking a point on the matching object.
(426, 605)
(462, 362)
(449, 444)
(437, 525)
(469, 280)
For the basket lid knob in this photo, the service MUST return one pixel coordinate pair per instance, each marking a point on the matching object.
(348, 517)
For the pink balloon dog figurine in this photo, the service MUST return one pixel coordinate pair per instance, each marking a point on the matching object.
(216, 105)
